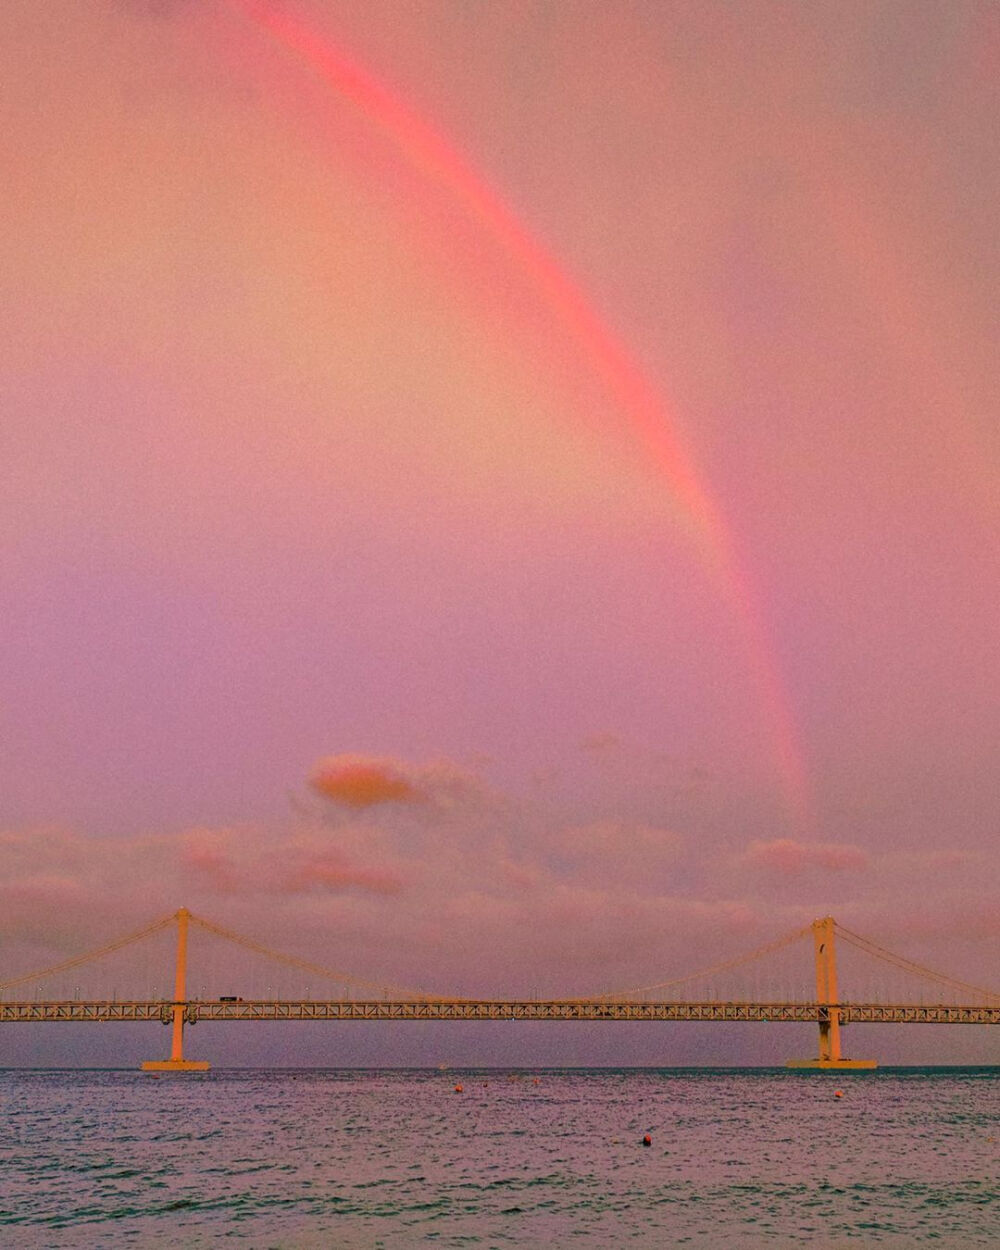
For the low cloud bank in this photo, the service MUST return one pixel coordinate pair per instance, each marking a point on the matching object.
(789, 858)
(423, 875)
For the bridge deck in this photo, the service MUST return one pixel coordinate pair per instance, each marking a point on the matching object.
(99, 1011)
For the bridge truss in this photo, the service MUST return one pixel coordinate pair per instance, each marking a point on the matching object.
(196, 1011)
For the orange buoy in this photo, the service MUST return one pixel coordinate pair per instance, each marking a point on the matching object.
(838, 1093)
(459, 1089)
(647, 1140)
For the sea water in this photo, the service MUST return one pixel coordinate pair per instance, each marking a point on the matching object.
(364, 1159)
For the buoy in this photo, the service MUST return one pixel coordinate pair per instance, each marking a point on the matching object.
(535, 1081)
(838, 1093)
(647, 1140)
(458, 1089)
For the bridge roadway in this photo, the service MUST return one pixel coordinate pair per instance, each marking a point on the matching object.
(196, 1010)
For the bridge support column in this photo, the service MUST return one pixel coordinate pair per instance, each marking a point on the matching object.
(177, 1062)
(827, 1000)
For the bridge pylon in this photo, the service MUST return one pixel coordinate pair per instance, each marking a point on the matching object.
(177, 1062)
(827, 1000)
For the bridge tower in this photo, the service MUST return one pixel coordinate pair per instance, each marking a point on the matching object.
(177, 1062)
(827, 1002)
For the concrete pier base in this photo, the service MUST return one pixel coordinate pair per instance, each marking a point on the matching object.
(176, 1065)
(834, 1065)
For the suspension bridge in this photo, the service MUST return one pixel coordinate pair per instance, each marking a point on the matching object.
(363, 1000)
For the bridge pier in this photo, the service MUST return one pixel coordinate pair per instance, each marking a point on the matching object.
(830, 1056)
(177, 1062)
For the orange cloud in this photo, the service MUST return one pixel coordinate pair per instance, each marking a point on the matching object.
(359, 782)
(789, 858)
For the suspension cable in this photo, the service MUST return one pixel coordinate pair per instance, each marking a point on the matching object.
(909, 965)
(305, 965)
(77, 960)
(768, 949)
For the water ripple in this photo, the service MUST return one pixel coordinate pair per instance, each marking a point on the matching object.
(363, 1159)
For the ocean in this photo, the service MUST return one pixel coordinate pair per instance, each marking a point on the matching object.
(365, 1159)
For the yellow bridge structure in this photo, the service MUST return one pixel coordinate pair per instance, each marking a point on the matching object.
(827, 1010)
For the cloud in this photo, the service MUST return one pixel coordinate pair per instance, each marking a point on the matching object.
(359, 781)
(207, 854)
(428, 878)
(434, 904)
(310, 865)
(252, 862)
(790, 858)
(55, 881)
(362, 782)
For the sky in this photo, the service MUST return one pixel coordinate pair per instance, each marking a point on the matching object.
(502, 497)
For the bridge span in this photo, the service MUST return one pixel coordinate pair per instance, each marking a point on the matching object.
(195, 1011)
(827, 1010)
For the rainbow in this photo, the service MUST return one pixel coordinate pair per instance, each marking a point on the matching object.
(430, 153)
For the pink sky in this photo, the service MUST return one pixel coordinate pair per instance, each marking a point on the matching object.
(305, 457)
